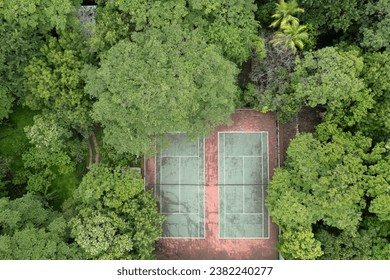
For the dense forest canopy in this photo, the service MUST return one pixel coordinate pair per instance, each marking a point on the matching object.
(81, 104)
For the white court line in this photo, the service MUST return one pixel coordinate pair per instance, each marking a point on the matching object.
(224, 182)
(177, 213)
(161, 171)
(262, 183)
(180, 156)
(179, 186)
(268, 218)
(233, 213)
(198, 193)
(243, 183)
(244, 156)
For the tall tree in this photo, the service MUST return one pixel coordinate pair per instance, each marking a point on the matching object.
(163, 80)
(23, 24)
(375, 25)
(112, 217)
(376, 74)
(50, 155)
(331, 14)
(285, 14)
(4, 170)
(55, 83)
(17, 47)
(341, 90)
(6, 100)
(56, 89)
(30, 231)
(336, 191)
(41, 15)
(291, 36)
(271, 78)
(229, 24)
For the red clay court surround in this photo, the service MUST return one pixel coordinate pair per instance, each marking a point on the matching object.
(211, 247)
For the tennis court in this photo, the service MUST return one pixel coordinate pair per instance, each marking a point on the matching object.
(243, 177)
(180, 187)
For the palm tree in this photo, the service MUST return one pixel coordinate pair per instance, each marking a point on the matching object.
(285, 13)
(291, 36)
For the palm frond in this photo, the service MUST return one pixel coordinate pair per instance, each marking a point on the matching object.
(284, 13)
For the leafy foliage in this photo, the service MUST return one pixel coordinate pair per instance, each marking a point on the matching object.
(375, 25)
(271, 79)
(23, 24)
(42, 15)
(28, 230)
(49, 155)
(290, 33)
(229, 24)
(6, 100)
(4, 169)
(299, 244)
(285, 14)
(369, 243)
(341, 91)
(55, 82)
(56, 88)
(331, 14)
(292, 36)
(16, 49)
(376, 74)
(161, 81)
(331, 187)
(113, 217)
(13, 142)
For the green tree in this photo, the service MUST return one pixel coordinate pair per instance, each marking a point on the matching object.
(331, 78)
(161, 81)
(285, 14)
(271, 78)
(331, 14)
(4, 170)
(376, 74)
(17, 47)
(369, 243)
(229, 24)
(55, 82)
(56, 89)
(23, 25)
(29, 230)
(112, 217)
(334, 190)
(375, 25)
(6, 100)
(299, 243)
(41, 15)
(51, 154)
(292, 36)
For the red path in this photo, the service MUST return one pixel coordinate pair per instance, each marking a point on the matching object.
(211, 247)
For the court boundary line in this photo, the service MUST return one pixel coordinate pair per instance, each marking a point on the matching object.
(179, 185)
(204, 188)
(257, 213)
(268, 218)
(177, 213)
(243, 184)
(262, 183)
(224, 182)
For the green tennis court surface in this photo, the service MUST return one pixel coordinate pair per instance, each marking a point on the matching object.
(243, 177)
(180, 187)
